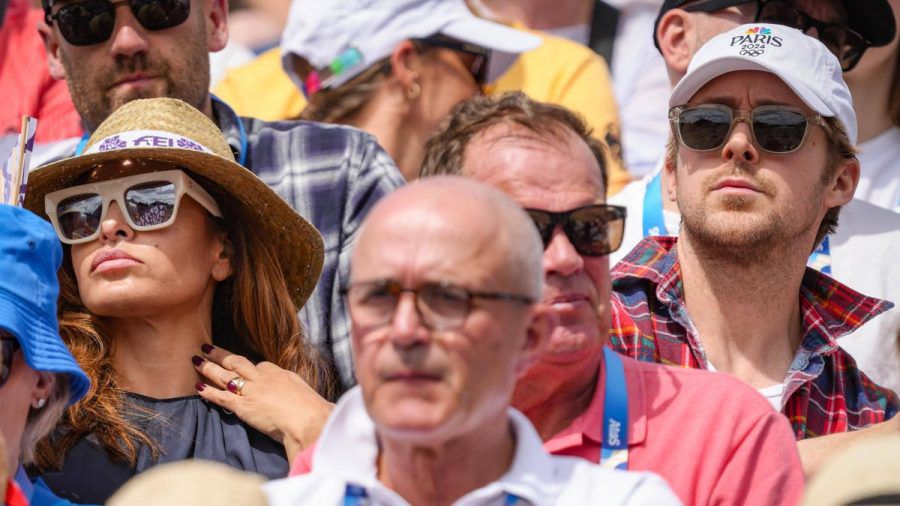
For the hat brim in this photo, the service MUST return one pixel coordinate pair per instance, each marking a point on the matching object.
(297, 243)
(494, 36)
(697, 78)
(41, 344)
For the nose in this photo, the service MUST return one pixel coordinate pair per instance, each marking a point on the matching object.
(407, 328)
(129, 37)
(560, 257)
(114, 227)
(740, 145)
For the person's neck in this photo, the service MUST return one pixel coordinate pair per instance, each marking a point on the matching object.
(541, 14)
(440, 475)
(386, 119)
(871, 101)
(152, 355)
(552, 406)
(747, 315)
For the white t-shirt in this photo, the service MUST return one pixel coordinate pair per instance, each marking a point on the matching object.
(347, 453)
(865, 255)
(772, 393)
(879, 166)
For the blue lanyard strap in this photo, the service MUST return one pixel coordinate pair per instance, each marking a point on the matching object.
(820, 259)
(653, 221)
(82, 144)
(614, 452)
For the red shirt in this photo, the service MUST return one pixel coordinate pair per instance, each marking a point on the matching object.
(14, 494)
(25, 83)
(713, 438)
(825, 392)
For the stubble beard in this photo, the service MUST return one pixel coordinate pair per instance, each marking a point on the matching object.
(95, 100)
(740, 236)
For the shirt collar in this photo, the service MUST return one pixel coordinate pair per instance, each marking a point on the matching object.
(229, 123)
(589, 425)
(350, 431)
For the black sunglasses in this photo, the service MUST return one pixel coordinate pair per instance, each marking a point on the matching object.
(481, 54)
(89, 22)
(844, 42)
(9, 349)
(595, 230)
(777, 129)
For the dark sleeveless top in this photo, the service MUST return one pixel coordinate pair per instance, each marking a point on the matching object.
(184, 428)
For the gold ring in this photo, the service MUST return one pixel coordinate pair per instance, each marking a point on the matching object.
(236, 385)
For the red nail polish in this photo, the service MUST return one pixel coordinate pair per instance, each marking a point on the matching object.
(197, 360)
(200, 387)
(207, 347)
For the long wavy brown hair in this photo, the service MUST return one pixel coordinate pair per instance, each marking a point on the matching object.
(252, 315)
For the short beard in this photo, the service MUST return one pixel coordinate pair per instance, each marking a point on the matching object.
(760, 239)
(90, 88)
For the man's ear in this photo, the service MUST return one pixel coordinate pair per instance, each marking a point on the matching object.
(674, 34)
(405, 64)
(671, 187)
(537, 337)
(216, 24)
(51, 44)
(840, 191)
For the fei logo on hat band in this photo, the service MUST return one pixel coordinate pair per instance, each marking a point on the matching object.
(755, 40)
(146, 139)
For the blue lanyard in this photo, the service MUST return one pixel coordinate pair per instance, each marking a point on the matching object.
(614, 452)
(820, 259)
(356, 495)
(242, 132)
(654, 222)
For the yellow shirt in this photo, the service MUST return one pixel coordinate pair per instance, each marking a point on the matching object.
(560, 72)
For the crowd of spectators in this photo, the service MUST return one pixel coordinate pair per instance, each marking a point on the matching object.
(451, 252)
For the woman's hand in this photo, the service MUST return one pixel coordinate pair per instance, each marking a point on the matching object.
(272, 400)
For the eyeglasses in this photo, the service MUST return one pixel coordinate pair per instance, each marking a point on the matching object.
(479, 66)
(148, 201)
(844, 42)
(440, 306)
(594, 230)
(89, 22)
(778, 129)
(10, 346)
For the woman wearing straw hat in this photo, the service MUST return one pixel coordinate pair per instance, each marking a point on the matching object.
(175, 254)
(38, 376)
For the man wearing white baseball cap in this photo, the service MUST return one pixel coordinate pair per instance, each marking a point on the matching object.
(761, 164)
(394, 68)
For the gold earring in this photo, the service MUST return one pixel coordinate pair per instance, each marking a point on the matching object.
(413, 91)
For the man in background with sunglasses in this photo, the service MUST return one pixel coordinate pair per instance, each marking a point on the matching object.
(584, 399)
(113, 52)
(761, 164)
(864, 252)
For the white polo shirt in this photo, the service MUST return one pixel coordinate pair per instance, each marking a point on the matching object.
(347, 453)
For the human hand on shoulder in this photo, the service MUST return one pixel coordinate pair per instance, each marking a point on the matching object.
(272, 400)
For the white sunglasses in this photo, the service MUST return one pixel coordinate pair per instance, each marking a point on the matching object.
(148, 201)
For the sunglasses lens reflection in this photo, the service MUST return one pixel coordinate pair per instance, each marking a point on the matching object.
(79, 216)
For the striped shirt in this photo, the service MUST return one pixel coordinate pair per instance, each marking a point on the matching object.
(824, 393)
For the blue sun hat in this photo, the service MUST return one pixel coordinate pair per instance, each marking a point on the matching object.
(30, 256)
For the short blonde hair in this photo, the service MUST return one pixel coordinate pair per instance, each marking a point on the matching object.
(41, 421)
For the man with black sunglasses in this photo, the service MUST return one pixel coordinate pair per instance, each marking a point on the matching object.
(864, 251)
(113, 52)
(761, 164)
(584, 399)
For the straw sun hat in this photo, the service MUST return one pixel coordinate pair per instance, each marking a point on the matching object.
(169, 130)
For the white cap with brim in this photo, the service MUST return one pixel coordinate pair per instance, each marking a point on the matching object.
(320, 31)
(803, 63)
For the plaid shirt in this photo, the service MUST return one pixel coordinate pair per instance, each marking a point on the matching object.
(331, 175)
(825, 392)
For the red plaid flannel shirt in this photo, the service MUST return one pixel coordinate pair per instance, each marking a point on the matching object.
(825, 391)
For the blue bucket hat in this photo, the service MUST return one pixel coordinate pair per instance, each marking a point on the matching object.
(30, 256)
